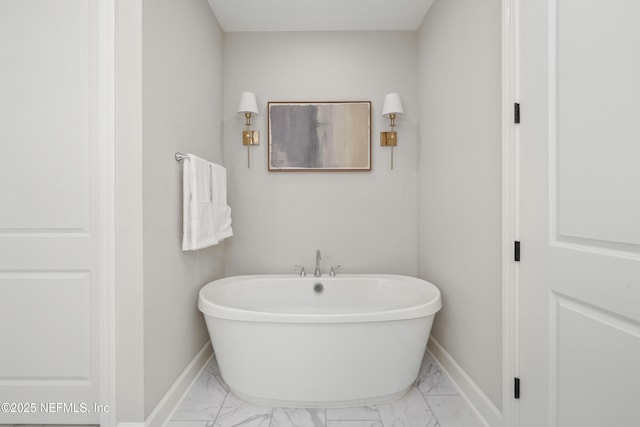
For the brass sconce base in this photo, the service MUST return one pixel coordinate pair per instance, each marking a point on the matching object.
(388, 139)
(250, 137)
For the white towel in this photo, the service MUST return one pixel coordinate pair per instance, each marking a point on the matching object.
(206, 216)
(221, 211)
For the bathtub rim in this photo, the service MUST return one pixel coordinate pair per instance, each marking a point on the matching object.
(425, 309)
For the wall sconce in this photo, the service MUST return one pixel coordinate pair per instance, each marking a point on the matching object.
(248, 106)
(392, 106)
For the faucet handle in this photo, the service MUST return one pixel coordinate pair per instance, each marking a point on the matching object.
(300, 270)
(332, 273)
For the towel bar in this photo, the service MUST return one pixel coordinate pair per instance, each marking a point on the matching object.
(180, 156)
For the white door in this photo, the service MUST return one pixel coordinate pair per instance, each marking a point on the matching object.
(580, 213)
(49, 216)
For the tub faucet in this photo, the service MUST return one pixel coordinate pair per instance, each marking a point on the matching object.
(332, 273)
(300, 269)
(316, 272)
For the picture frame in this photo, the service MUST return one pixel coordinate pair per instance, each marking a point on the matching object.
(319, 136)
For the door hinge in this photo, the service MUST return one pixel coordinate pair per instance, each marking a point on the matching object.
(516, 112)
(516, 251)
(516, 388)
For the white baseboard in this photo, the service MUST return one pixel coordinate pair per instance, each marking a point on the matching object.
(165, 409)
(469, 390)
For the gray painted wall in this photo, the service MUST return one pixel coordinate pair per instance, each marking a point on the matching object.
(460, 181)
(182, 111)
(365, 221)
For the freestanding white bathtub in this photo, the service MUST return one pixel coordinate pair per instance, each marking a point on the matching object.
(281, 341)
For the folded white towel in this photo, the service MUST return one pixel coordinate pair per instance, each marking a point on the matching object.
(206, 216)
(221, 211)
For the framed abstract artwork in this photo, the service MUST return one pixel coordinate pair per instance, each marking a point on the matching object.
(320, 136)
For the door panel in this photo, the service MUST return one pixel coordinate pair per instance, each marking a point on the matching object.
(579, 213)
(46, 105)
(596, 120)
(586, 367)
(53, 311)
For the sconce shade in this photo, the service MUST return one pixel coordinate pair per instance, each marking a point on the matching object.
(248, 103)
(392, 104)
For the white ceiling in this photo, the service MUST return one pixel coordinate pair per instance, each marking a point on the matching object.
(319, 15)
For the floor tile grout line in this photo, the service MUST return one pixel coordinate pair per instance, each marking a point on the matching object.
(379, 416)
(271, 417)
(220, 408)
(431, 410)
(375, 406)
(440, 394)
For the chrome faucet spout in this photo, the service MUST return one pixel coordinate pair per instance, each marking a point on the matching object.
(316, 272)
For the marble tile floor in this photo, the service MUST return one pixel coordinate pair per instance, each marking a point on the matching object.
(432, 402)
